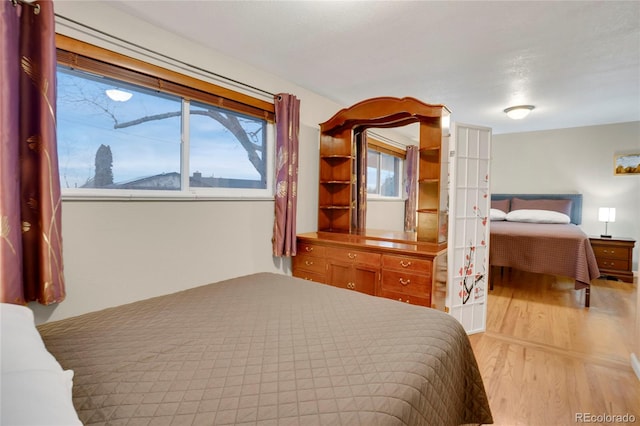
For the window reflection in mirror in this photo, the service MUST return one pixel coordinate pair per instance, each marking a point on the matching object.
(386, 175)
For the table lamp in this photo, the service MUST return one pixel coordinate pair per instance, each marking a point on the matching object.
(606, 215)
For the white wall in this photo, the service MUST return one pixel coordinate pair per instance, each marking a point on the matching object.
(385, 214)
(575, 160)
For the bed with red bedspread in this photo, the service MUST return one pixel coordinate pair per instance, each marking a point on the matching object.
(539, 233)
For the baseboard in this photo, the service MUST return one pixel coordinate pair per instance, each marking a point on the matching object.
(635, 364)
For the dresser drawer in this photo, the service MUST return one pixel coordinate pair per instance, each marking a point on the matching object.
(311, 249)
(413, 300)
(406, 283)
(404, 263)
(616, 264)
(354, 256)
(309, 276)
(610, 252)
(309, 264)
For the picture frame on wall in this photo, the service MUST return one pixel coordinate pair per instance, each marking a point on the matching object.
(626, 164)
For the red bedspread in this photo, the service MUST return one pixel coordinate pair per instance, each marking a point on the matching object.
(554, 249)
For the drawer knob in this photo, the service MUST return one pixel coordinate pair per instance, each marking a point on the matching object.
(308, 249)
(404, 282)
(308, 262)
(351, 286)
(405, 264)
(609, 251)
(352, 255)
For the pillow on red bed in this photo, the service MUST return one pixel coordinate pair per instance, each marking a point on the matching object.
(537, 216)
(561, 206)
(497, 214)
(500, 205)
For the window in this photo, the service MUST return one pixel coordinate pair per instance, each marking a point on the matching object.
(384, 169)
(227, 150)
(110, 144)
(126, 133)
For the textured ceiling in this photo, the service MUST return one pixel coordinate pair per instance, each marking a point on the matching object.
(577, 62)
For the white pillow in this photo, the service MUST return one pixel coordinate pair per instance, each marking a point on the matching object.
(537, 216)
(34, 389)
(21, 344)
(37, 398)
(495, 214)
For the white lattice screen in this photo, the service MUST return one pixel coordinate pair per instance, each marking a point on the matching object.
(469, 204)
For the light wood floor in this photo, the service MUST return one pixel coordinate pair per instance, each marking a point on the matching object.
(545, 358)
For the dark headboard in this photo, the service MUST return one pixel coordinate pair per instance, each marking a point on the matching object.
(576, 201)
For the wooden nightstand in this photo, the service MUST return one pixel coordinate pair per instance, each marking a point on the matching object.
(614, 256)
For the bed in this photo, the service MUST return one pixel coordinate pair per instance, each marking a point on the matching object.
(269, 349)
(539, 233)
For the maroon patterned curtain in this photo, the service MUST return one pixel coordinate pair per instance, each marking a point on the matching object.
(287, 128)
(31, 240)
(411, 180)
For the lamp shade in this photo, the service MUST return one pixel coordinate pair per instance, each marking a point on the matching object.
(607, 214)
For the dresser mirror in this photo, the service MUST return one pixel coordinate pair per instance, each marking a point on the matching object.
(386, 176)
(343, 168)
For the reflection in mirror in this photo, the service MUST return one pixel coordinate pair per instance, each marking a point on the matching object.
(386, 192)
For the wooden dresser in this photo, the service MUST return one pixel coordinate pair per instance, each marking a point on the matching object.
(406, 266)
(614, 256)
(385, 264)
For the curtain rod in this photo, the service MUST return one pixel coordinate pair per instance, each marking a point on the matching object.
(35, 6)
(174, 60)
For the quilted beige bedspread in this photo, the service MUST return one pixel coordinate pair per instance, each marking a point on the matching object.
(269, 349)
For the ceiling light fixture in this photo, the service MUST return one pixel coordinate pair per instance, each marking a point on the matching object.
(118, 95)
(518, 112)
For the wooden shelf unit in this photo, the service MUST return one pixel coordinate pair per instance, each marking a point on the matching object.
(337, 204)
(432, 179)
(337, 185)
(410, 267)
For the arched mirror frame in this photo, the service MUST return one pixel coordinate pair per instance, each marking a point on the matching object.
(342, 193)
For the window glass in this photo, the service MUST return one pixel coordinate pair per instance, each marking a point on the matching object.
(383, 174)
(138, 139)
(111, 142)
(389, 175)
(227, 149)
(373, 159)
